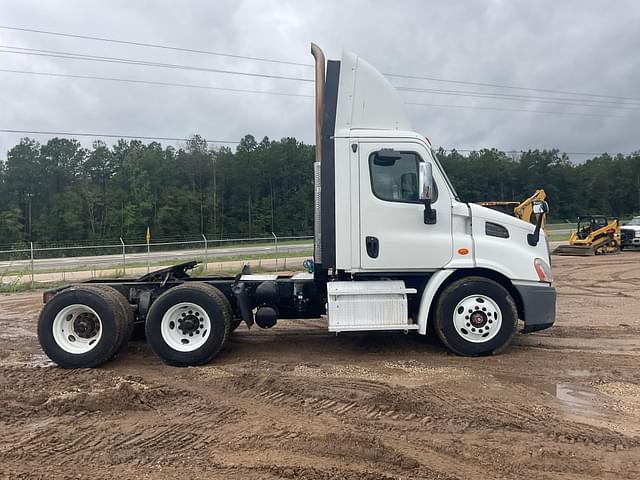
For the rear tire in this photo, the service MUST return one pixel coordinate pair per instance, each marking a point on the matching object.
(125, 308)
(476, 316)
(189, 324)
(81, 327)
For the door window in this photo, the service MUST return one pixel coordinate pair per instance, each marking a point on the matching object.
(394, 176)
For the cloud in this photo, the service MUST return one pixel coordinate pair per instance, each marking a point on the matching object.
(578, 46)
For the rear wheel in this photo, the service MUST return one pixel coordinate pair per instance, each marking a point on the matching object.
(476, 316)
(81, 327)
(189, 324)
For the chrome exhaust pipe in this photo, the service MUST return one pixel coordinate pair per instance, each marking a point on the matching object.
(320, 79)
(317, 53)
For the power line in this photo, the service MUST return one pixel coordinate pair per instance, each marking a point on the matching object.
(285, 62)
(173, 84)
(151, 82)
(128, 61)
(511, 87)
(509, 150)
(156, 45)
(182, 139)
(475, 107)
(110, 135)
(146, 82)
(288, 94)
(524, 98)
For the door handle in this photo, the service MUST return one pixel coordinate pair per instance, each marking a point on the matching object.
(373, 246)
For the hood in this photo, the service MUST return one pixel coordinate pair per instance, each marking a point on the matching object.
(503, 219)
(635, 228)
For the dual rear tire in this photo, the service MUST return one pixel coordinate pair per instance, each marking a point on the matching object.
(189, 324)
(85, 326)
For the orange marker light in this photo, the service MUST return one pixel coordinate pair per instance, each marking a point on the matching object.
(463, 251)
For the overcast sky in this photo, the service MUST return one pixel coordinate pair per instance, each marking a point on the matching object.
(572, 46)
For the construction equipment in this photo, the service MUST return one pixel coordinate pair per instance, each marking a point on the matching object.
(522, 210)
(596, 235)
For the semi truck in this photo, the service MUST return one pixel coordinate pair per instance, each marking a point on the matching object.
(395, 250)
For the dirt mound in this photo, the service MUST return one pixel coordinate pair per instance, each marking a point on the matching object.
(121, 396)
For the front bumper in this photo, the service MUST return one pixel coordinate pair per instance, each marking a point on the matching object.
(628, 238)
(539, 306)
(634, 242)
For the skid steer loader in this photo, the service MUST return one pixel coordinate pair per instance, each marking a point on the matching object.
(596, 235)
(522, 210)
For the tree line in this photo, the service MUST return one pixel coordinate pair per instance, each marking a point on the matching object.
(59, 191)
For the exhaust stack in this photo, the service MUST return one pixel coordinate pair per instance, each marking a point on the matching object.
(317, 53)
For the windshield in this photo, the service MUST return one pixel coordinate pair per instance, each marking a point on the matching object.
(634, 221)
(444, 174)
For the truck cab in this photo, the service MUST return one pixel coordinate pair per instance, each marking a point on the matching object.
(389, 211)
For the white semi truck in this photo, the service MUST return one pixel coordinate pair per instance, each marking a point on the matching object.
(394, 250)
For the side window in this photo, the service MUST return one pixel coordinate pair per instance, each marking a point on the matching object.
(394, 176)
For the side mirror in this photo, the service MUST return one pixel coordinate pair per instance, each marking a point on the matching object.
(540, 207)
(425, 191)
(425, 181)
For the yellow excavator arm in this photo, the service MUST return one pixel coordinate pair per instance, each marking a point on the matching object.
(522, 210)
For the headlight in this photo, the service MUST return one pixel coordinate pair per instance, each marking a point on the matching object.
(637, 234)
(543, 270)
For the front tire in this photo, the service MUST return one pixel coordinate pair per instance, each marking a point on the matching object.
(189, 324)
(476, 316)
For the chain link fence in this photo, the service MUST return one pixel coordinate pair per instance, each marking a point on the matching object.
(49, 263)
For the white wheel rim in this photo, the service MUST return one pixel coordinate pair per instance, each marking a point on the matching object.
(185, 327)
(77, 329)
(477, 318)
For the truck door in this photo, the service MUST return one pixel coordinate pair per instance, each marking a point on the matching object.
(393, 235)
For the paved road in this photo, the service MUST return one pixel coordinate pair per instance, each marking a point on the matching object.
(178, 255)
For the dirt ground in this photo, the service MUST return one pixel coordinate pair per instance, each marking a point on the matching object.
(296, 402)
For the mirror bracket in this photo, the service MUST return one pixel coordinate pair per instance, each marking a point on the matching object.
(430, 217)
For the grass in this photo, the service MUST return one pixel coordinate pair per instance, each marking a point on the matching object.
(557, 237)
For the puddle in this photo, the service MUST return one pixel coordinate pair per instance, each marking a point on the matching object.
(576, 399)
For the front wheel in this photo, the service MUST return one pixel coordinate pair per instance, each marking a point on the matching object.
(476, 316)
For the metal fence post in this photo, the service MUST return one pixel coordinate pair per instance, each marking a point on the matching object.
(275, 239)
(206, 254)
(124, 257)
(32, 266)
